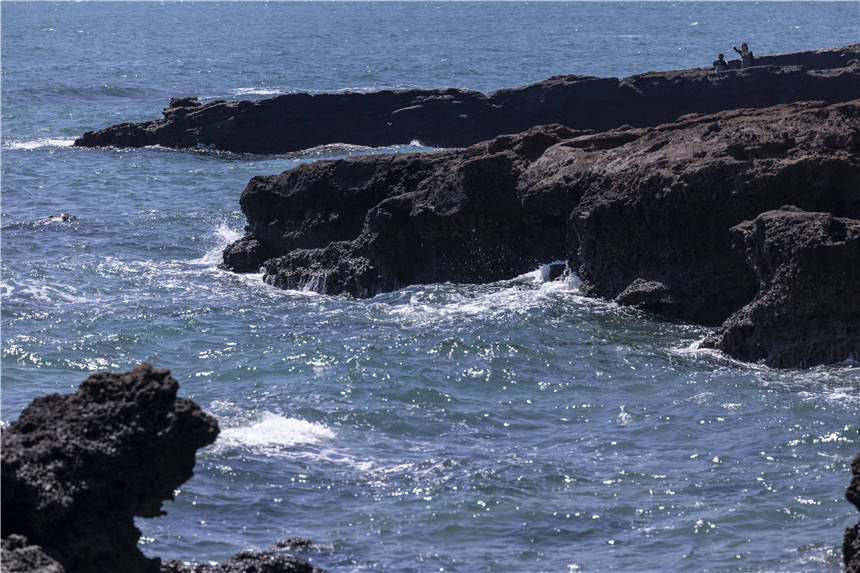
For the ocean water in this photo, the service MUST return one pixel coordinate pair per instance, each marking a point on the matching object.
(515, 426)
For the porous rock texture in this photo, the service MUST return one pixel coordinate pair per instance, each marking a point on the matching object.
(77, 468)
(851, 540)
(276, 559)
(456, 117)
(643, 215)
(19, 556)
(807, 310)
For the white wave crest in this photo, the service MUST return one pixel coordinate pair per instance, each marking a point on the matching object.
(272, 433)
(40, 143)
(224, 235)
(257, 91)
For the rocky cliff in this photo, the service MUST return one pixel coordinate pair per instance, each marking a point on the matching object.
(455, 117)
(643, 215)
(807, 309)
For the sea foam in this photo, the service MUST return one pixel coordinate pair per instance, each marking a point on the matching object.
(272, 433)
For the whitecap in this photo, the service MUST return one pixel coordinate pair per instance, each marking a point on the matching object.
(223, 235)
(261, 91)
(40, 143)
(271, 434)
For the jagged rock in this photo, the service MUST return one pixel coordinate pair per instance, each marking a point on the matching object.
(453, 117)
(376, 223)
(653, 222)
(77, 468)
(641, 214)
(274, 560)
(851, 540)
(18, 556)
(807, 310)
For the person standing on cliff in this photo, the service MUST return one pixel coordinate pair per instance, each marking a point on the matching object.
(746, 56)
(720, 65)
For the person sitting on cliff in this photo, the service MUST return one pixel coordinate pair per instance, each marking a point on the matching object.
(720, 64)
(746, 56)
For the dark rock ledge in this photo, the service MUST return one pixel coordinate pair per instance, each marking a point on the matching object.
(77, 468)
(643, 216)
(455, 117)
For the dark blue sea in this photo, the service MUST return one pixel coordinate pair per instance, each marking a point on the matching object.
(515, 426)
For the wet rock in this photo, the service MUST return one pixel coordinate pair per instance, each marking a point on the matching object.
(642, 215)
(807, 310)
(77, 468)
(372, 224)
(851, 540)
(454, 118)
(277, 559)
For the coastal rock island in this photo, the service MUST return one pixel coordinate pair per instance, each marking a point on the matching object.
(77, 468)
(642, 215)
(457, 117)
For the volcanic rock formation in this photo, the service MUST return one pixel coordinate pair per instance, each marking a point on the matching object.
(455, 117)
(274, 560)
(77, 468)
(642, 215)
(807, 310)
(851, 541)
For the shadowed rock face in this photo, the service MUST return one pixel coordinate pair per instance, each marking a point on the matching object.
(643, 215)
(807, 310)
(653, 222)
(77, 468)
(454, 118)
(376, 223)
(851, 541)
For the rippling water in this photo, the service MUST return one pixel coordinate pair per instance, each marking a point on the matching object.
(514, 426)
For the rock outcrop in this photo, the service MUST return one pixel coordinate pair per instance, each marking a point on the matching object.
(77, 468)
(807, 310)
(642, 215)
(276, 559)
(851, 541)
(455, 117)
(377, 223)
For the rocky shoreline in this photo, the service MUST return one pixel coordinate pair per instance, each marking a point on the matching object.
(457, 117)
(77, 468)
(644, 216)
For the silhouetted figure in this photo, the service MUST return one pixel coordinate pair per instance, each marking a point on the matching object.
(720, 64)
(746, 56)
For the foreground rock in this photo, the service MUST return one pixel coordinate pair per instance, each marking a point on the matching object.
(77, 468)
(851, 541)
(807, 310)
(454, 118)
(642, 215)
(274, 560)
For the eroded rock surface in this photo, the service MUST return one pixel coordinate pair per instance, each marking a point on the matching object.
(642, 215)
(377, 223)
(77, 468)
(454, 117)
(807, 310)
(277, 559)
